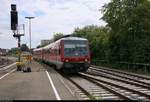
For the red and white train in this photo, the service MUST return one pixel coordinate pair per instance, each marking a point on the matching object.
(69, 54)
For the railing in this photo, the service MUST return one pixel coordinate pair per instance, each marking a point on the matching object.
(136, 67)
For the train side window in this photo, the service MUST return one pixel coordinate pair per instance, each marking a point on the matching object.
(50, 51)
(59, 51)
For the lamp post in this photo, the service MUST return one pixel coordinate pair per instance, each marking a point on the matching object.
(29, 56)
(30, 29)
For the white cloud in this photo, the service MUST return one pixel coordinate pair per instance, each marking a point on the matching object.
(50, 16)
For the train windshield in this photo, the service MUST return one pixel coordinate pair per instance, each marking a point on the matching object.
(73, 48)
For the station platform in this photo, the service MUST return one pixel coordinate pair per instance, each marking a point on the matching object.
(34, 85)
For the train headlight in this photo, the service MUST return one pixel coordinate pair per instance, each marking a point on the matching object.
(67, 61)
(86, 60)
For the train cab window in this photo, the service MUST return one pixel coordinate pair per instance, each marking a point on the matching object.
(75, 48)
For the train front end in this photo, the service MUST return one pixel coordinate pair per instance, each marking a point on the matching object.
(76, 55)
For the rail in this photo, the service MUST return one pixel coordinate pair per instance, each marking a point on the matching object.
(134, 91)
(142, 67)
(4, 62)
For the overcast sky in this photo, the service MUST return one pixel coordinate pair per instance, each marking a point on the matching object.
(51, 16)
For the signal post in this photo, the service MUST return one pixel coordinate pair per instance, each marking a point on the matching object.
(14, 28)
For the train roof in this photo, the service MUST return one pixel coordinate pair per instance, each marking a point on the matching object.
(48, 46)
(37, 49)
(73, 38)
(65, 38)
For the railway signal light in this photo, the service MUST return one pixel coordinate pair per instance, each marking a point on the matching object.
(13, 7)
(14, 17)
(14, 28)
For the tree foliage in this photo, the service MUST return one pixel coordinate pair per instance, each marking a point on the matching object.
(24, 47)
(13, 51)
(129, 21)
(126, 37)
(97, 37)
(57, 36)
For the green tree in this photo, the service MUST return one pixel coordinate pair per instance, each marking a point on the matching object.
(130, 29)
(38, 46)
(98, 39)
(57, 36)
(24, 47)
(13, 51)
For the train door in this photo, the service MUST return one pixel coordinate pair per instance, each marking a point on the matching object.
(57, 53)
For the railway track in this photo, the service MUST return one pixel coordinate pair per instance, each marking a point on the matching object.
(131, 92)
(132, 81)
(122, 74)
(6, 61)
(7, 70)
(87, 89)
(128, 78)
(97, 85)
(120, 78)
(100, 84)
(92, 90)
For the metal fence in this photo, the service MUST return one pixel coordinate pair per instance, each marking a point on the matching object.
(141, 67)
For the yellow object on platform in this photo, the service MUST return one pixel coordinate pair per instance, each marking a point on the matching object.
(18, 53)
(29, 57)
(20, 63)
